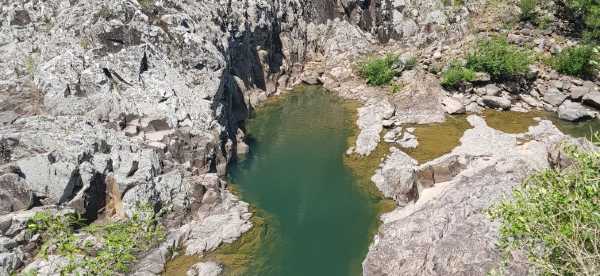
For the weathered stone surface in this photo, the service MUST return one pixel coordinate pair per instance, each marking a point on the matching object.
(572, 111)
(396, 178)
(447, 231)
(421, 101)
(592, 99)
(370, 123)
(453, 106)
(554, 97)
(496, 102)
(15, 194)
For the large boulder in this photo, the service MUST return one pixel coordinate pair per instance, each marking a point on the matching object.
(554, 97)
(15, 194)
(396, 178)
(592, 99)
(496, 102)
(453, 106)
(572, 111)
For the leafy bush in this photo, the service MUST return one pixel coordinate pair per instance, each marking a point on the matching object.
(554, 217)
(500, 59)
(528, 9)
(455, 74)
(576, 61)
(119, 242)
(379, 71)
(586, 13)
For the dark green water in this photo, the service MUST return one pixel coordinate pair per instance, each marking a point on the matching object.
(295, 173)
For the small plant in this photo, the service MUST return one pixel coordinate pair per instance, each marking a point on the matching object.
(410, 63)
(395, 88)
(146, 3)
(499, 59)
(554, 217)
(528, 7)
(379, 71)
(576, 61)
(118, 244)
(455, 75)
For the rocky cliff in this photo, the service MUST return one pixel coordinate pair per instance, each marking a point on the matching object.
(109, 104)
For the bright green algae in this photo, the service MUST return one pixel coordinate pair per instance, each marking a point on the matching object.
(319, 212)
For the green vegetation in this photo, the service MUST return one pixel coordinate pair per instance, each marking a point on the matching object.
(577, 61)
(500, 59)
(379, 71)
(586, 13)
(527, 7)
(105, 249)
(456, 74)
(554, 217)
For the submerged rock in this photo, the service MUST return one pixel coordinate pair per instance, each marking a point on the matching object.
(205, 269)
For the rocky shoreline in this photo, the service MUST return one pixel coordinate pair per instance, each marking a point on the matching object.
(108, 105)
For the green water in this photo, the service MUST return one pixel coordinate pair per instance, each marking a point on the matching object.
(295, 173)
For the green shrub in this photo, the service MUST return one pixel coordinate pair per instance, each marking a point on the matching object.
(455, 74)
(587, 14)
(528, 9)
(576, 61)
(120, 244)
(554, 217)
(379, 71)
(500, 59)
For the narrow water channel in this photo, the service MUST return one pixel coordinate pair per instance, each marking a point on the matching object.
(295, 174)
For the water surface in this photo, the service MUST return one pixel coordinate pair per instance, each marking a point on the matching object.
(319, 216)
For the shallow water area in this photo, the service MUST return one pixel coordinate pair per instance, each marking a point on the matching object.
(438, 139)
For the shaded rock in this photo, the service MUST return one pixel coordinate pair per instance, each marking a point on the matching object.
(592, 99)
(572, 111)
(311, 78)
(554, 97)
(530, 100)
(15, 194)
(577, 92)
(496, 102)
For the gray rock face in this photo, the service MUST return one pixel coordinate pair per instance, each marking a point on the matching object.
(15, 194)
(572, 111)
(422, 103)
(592, 99)
(396, 177)
(370, 123)
(446, 230)
(496, 102)
(554, 97)
(453, 106)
